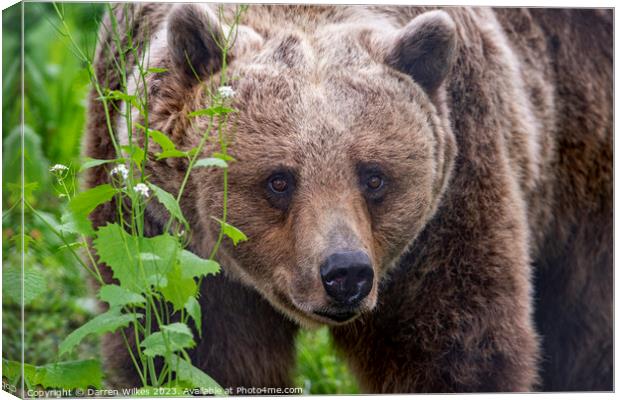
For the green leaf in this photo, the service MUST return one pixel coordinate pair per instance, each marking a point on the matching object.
(118, 95)
(136, 154)
(211, 111)
(12, 371)
(34, 284)
(211, 162)
(117, 296)
(222, 156)
(233, 233)
(179, 289)
(155, 70)
(177, 335)
(109, 321)
(193, 309)
(187, 372)
(84, 203)
(68, 224)
(161, 139)
(172, 154)
(69, 375)
(122, 253)
(194, 266)
(93, 162)
(168, 201)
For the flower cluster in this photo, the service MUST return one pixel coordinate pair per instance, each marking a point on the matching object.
(58, 168)
(120, 170)
(142, 189)
(226, 92)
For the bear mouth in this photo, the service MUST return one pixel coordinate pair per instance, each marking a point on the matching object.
(338, 316)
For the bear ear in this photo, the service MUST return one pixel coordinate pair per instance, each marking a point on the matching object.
(425, 49)
(193, 36)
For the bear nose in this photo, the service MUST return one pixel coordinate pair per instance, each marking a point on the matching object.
(347, 277)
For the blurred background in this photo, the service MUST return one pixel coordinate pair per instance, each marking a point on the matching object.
(57, 297)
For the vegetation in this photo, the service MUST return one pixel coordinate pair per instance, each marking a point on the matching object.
(62, 319)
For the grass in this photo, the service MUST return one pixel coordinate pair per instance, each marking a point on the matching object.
(56, 88)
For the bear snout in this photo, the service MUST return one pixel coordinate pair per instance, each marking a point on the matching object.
(347, 277)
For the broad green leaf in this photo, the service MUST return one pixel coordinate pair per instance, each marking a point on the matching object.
(34, 283)
(12, 371)
(84, 203)
(187, 372)
(179, 289)
(211, 111)
(161, 139)
(117, 296)
(194, 266)
(168, 201)
(69, 375)
(109, 321)
(233, 233)
(177, 335)
(122, 253)
(211, 162)
(193, 309)
(93, 162)
(172, 154)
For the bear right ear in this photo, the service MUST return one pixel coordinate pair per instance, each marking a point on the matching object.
(193, 36)
(425, 49)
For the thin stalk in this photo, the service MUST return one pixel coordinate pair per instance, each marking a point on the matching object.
(133, 358)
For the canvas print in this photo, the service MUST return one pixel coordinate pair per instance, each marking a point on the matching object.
(229, 199)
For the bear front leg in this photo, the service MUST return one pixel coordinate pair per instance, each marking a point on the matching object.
(245, 342)
(455, 314)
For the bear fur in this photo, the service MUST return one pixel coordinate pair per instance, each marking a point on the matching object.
(492, 245)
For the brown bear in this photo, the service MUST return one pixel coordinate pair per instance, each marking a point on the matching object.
(435, 185)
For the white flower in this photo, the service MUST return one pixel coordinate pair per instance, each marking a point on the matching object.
(142, 189)
(226, 92)
(121, 170)
(58, 168)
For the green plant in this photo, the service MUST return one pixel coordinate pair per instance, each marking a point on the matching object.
(155, 299)
(319, 369)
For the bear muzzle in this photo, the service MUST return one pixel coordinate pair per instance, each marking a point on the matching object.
(347, 278)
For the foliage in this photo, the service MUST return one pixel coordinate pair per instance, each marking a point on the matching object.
(62, 375)
(319, 369)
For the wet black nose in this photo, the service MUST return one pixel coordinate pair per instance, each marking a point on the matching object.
(347, 277)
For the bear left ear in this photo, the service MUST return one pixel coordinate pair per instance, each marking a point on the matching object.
(193, 36)
(425, 49)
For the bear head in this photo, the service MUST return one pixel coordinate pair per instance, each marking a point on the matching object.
(342, 144)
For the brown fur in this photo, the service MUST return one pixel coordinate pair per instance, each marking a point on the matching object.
(491, 247)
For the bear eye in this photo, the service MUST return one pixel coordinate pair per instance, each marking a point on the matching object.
(279, 189)
(278, 184)
(372, 181)
(375, 182)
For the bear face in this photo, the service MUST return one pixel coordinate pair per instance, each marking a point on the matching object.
(342, 153)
